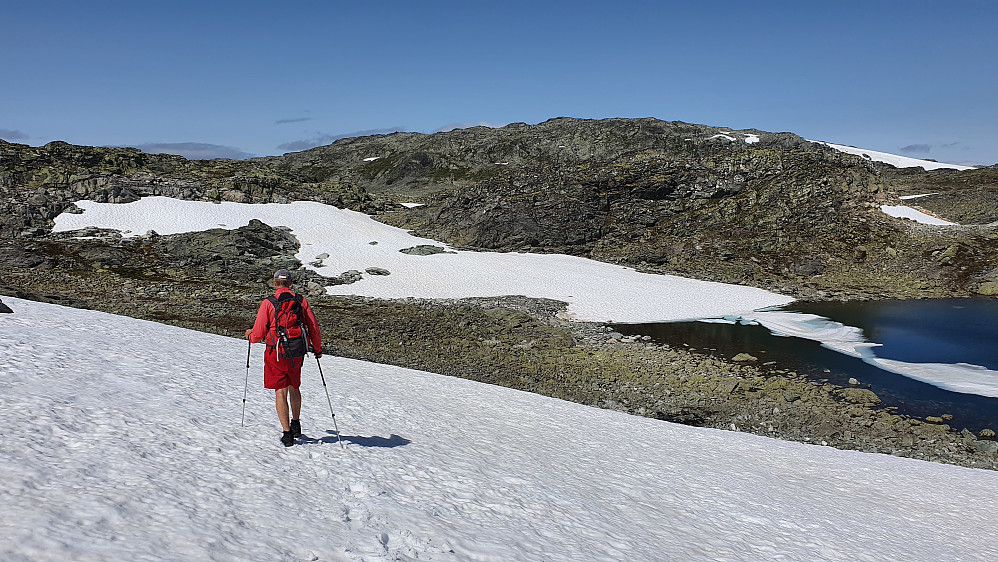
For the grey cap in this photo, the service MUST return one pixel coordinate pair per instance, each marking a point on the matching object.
(282, 274)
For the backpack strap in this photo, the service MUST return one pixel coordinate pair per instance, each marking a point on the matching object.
(277, 310)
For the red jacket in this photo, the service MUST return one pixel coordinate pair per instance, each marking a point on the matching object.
(265, 326)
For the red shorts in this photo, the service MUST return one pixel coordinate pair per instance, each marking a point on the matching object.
(281, 373)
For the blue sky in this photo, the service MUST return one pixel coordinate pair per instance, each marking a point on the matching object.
(219, 78)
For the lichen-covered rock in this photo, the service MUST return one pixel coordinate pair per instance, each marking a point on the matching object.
(988, 288)
(859, 396)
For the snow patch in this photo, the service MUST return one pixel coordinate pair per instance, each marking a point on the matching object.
(371, 158)
(893, 159)
(749, 138)
(594, 291)
(905, 212)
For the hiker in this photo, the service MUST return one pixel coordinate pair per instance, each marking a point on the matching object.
(286, 313)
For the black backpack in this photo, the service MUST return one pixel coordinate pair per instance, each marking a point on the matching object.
(292, 334)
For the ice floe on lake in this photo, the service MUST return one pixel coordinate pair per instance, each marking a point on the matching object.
(958, 377)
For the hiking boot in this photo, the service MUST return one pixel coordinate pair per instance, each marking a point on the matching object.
(288, 439)
(296, 428)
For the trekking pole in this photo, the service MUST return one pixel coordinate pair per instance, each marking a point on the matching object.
(335, 426)
(246, 385)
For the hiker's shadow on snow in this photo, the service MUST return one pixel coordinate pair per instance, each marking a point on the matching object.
(373, 441)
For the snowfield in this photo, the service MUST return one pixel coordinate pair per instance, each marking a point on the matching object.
(122, 441)
(894, 159)
(594, 290)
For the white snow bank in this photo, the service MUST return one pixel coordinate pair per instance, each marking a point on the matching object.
(749, 138)
(595, 291)
(412, 205)
(959, 377)
(906, 197)
(371, 158)
(894, 159)
(123, 443)
(905, 212)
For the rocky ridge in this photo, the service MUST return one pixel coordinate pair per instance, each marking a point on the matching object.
(39, 183)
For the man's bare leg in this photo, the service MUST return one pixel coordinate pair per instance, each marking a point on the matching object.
(295, 395)
(281, 395)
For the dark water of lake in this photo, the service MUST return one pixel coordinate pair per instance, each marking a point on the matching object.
(919, 331)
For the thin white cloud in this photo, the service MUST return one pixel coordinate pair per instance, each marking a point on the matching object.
(466, 125)
(292, 120)
(195, 150)
(12, 134)
(322, 139)
(916, 149)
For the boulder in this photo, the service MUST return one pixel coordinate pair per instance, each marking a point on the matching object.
(315, 288)
(988, 289)
(744, 357)
(348, 277)
(377, 271)
(425, 250)
(986, 435)
(726, 387)
(4, 309)
(860, 396)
